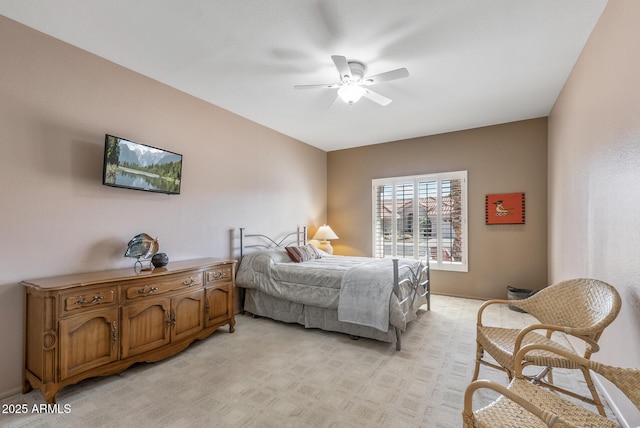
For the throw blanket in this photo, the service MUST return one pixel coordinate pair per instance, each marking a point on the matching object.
(365, 294)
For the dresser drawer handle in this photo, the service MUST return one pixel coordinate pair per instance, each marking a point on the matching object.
(84, 300)
(189, 282)
(143, 291)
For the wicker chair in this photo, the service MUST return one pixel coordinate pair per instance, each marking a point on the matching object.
(580, 308)
(527, 405)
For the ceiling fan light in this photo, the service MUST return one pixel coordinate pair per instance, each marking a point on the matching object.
(351, 93)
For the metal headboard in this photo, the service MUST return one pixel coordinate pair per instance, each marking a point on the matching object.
(299, 237)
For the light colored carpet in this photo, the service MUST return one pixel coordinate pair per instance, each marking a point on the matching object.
(271, 374)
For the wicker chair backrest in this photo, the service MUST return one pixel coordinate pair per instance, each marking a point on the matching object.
(585, 304)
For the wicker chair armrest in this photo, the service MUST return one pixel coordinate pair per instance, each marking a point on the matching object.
(574, 332)
(521, 355)
(549, 418)
(577, 332)
(489, 303)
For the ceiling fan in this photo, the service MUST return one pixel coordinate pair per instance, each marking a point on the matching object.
(353, 83)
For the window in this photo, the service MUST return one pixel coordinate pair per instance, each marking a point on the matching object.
(422, 215)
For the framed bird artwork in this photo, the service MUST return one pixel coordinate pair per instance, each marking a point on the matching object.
(504, 208)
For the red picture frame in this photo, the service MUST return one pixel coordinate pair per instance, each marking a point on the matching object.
(504, 208)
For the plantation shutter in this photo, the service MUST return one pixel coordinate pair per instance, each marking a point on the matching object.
(420, 216)
(451, 221)
(404, 219)
(383, 220)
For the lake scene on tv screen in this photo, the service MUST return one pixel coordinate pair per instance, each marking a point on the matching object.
(137, 166)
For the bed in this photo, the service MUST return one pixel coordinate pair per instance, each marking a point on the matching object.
(289, 280)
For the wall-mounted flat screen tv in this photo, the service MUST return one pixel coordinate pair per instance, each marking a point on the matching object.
(140, 167)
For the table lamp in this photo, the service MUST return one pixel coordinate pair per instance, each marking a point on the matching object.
(324, 234)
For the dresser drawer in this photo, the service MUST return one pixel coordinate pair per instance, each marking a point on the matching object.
(161, 285)
(79, 300)
(220, 273)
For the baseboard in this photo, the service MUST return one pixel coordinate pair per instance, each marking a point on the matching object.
(462, 296)
(10, 392)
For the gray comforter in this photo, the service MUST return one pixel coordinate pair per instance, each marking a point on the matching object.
(318, 283)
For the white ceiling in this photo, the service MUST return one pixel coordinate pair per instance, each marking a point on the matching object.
(472, 63)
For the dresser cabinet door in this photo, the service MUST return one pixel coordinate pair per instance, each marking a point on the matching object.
(219, 304)
(88, 341)
(145, 326)
(187, 314)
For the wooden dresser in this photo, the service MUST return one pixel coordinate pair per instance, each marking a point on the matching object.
(100, 323)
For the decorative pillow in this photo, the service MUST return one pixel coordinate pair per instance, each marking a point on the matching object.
(303, 253)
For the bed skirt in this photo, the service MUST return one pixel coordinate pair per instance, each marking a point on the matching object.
(264, 305)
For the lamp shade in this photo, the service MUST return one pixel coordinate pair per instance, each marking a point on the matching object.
(325, 233)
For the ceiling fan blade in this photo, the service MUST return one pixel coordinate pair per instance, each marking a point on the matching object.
(377, 98)
(400, 73)
(324, 85)
(343, 67)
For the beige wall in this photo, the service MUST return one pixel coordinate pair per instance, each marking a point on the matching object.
(499, 159)
(594, 177)
(56, 104)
